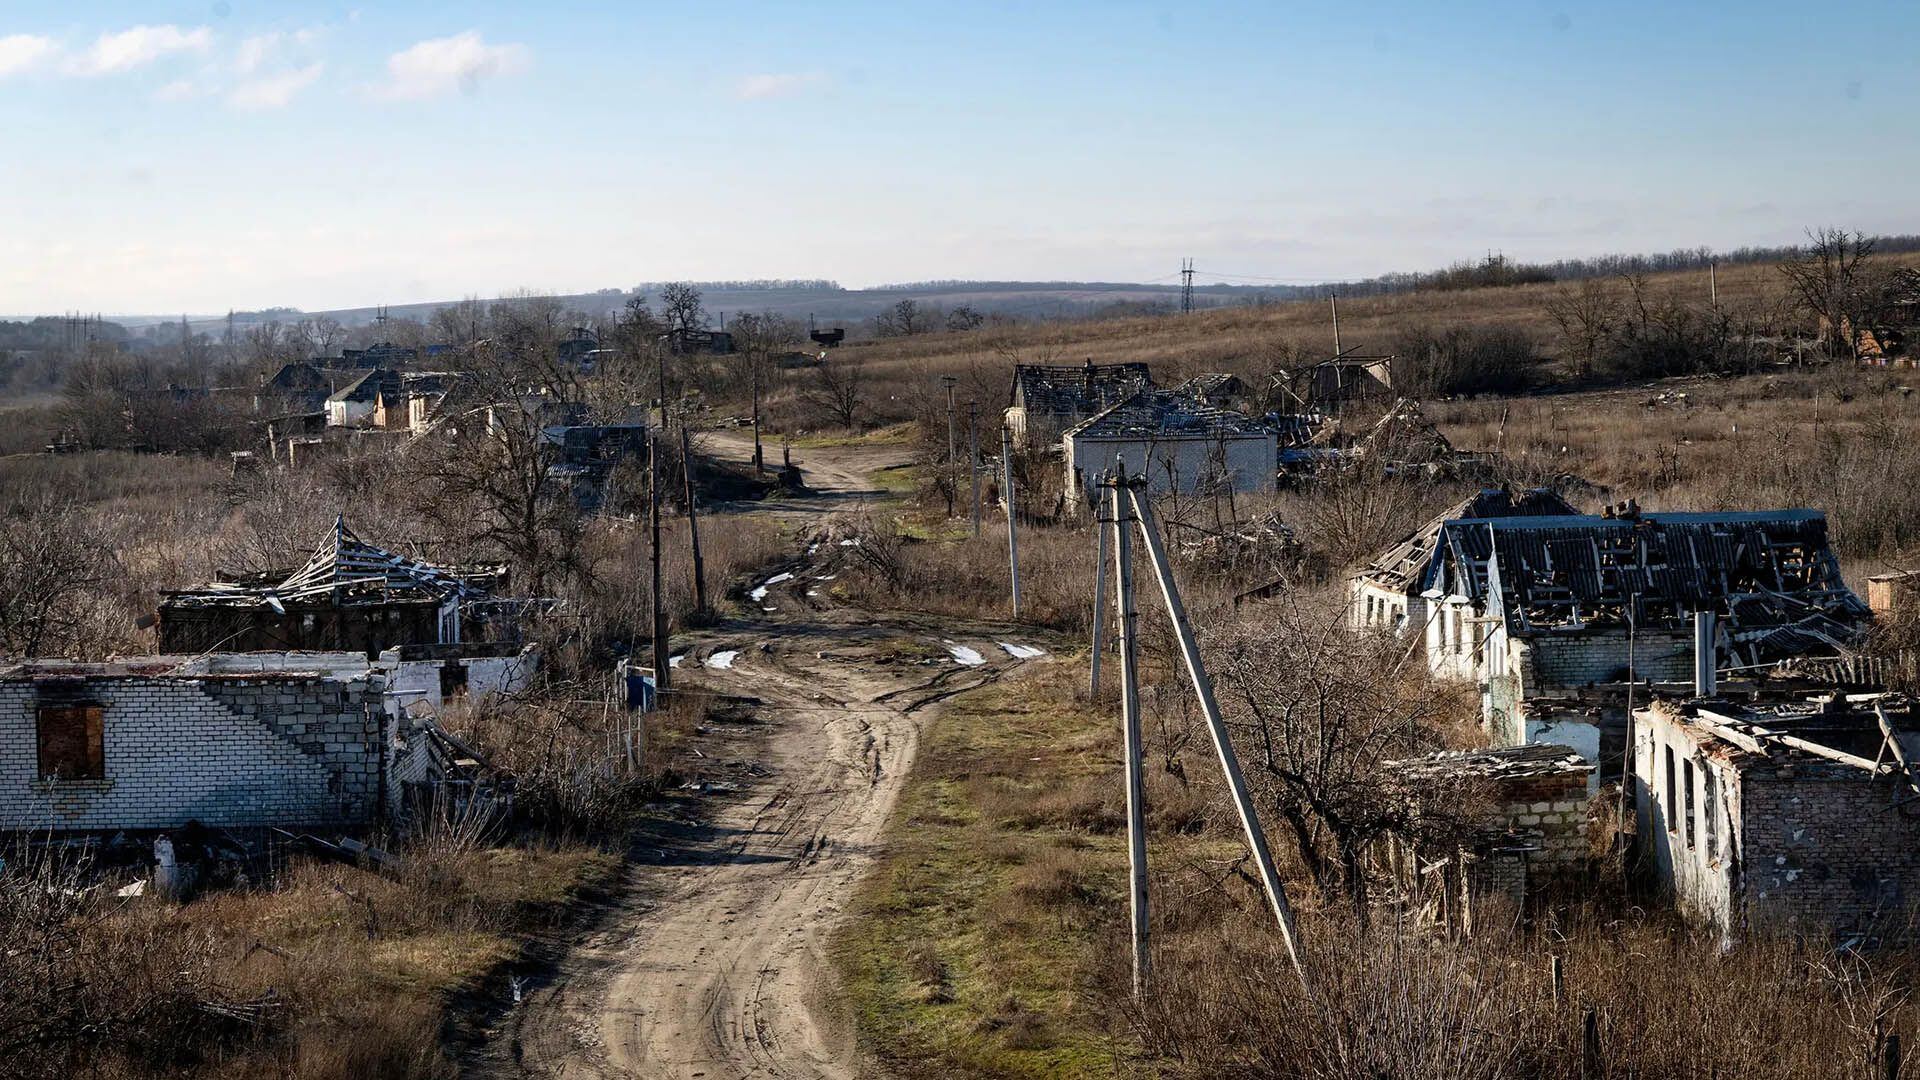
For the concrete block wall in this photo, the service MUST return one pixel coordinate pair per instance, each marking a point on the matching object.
(267, 750)
(1582, 658)
(1551, 813)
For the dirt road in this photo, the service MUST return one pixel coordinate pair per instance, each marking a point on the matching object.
(712, 962)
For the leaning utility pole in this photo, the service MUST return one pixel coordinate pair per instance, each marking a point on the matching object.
(1216, 726)
(1121, 522)
(1006, 493)
(660, 665)
(1333, 301)
(1103, 517)
(693, 524)
(953, 480)
(973, 444)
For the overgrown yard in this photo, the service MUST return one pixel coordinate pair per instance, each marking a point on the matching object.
(335, 972)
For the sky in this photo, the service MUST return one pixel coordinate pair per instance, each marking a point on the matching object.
(201, 156)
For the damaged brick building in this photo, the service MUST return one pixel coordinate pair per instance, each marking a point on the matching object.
(1781, 812)
(235, 740)
(1552, 616)
(349, 595)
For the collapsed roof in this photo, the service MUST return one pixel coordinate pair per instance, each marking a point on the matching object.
(1770, 573)
(1077, 391)
(1168, 414)
(346, 570)
(1404, 566)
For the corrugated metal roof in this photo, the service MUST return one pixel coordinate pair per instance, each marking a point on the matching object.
(1771, 573)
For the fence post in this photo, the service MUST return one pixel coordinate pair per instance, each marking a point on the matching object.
(1590, 1045)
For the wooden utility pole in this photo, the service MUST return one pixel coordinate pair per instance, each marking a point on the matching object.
(1216, 726)
(753, 378)
(1333, 300)
(1103, 516)
(661, 667)
(693, 523)
(973, 443)
(1121, 522)
(953, 480)
(1013, 542)
(1713, 286)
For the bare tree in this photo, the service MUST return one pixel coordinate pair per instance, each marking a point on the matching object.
(903, 319)
(54, 574)
(838, 390)
(1837, 284)
(681, 307)
(964, 318)
(1324, 708)
(1585, 315)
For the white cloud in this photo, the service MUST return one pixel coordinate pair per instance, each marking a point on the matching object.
(442, 65)
(138, 47)
(177, 90)
(776, 85)
(260, 50)
(24, 52)
(274, 91)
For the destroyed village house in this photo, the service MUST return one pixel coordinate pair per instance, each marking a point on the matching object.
(357, 404)
(1553, 616)
(1332, 384)
(1048, 400)
(1180, 443)
(237, 740)
(1388, 592)
(349, 595)
(1528, 826)
(1781, 812)
(135, 745)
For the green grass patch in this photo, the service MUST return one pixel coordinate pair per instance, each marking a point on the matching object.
(977, 948)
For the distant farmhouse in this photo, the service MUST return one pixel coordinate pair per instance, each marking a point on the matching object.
(1048, 400)
(1178, 442)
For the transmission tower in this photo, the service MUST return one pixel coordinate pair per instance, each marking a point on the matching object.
(1186, 286)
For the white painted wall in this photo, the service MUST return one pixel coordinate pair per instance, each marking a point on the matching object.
(1251, 461)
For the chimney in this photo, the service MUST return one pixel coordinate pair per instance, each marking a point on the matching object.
(1706, 656)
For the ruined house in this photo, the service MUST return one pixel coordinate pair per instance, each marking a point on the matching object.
(1048, 400)
(1525, 826)
(1553, 617)
(1180, 443)
(133, 745)
(294, 740)
(349, 596)
(1331, 385)
(295, 388)
(1389, 592)
(1221, 389)
(1781, 812)
(357, 404)
(381, 354)
(689, 342)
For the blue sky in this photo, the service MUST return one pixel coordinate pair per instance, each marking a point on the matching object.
(199, 156)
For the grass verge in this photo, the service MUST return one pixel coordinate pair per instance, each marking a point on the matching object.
(976, 947)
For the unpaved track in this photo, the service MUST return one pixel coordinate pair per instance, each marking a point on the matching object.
(712, 962)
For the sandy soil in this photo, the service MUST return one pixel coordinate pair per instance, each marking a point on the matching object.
(711, 961)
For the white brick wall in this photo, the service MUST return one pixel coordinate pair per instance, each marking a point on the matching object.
(281, 750)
